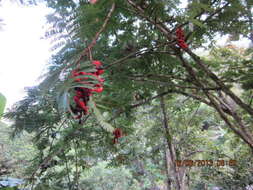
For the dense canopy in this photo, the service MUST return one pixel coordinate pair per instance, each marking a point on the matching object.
(170, 103)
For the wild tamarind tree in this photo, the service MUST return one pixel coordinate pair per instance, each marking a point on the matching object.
(148, 53)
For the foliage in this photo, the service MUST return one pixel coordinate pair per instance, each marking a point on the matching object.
(2, 104)
(15, 153)
(143, 63)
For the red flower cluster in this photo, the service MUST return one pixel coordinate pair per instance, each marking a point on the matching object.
(181, 38)
(93, 1)
(117, 134)
(82, 94)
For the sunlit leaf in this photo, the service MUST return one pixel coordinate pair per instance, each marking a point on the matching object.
(2, 104)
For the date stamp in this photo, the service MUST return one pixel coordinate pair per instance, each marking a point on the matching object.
(203, 163)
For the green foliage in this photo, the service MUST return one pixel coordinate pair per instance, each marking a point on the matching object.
(2, 104)
(140, 62)
(15, 153)
(102, 177)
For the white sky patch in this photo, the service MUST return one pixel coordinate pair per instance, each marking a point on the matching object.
(183, 4)
(23, 52)
(222, 41)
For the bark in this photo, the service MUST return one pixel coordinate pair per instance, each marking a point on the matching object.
(170, 145)
(167, 166)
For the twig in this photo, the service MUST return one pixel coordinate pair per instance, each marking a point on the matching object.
(196, 111)
(94, 41)
(250, 102)
(134, 54)
(160, 95)
(159, 25)
(201, 13)
(171, 76)
(176, 85)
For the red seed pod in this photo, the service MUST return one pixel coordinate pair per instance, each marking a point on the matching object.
(97, 63)
(117, 134)
(181, 38)
(179, 31)
(183, 45)
(99, 88)
(82, 94)
(100, 71)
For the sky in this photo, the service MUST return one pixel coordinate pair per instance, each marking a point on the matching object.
(23, 52)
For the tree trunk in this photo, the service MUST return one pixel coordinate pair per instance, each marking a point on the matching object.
(171, 151)
(168, 167)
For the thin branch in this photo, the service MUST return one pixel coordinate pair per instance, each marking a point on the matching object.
(141, 11)
(214, 103)
(175, 85)
(216, 12)
(215, 78)
(94, 41)
(193, 116)
(206, 20)
(68, 171)
(139, 104)
(135, 54)
(76, 166)
(193, 96)
(160, 95)
(201, 13)
(172, 76)
(250, 102)
(194, 152)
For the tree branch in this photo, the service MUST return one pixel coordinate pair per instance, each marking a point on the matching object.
(224, 88)
(215, 104)
(160, 95)
(158, 24)
(141, 52)
(175, 85)
(94, 41)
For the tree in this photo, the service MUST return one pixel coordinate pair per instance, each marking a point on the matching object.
(138, 44)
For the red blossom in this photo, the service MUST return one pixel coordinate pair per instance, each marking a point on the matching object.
(181, 38)
(82, 94)
(117, 134)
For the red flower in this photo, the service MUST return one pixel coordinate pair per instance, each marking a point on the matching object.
(97, 63)
(99, 88)
(117, 134)
(100, 71)
(181, 38)
(82, 94)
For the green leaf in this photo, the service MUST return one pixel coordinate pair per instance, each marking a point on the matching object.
(50, 80)
(2, 104)
(108, 127)
(196, 22)
(82, 86)
(63, 102)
